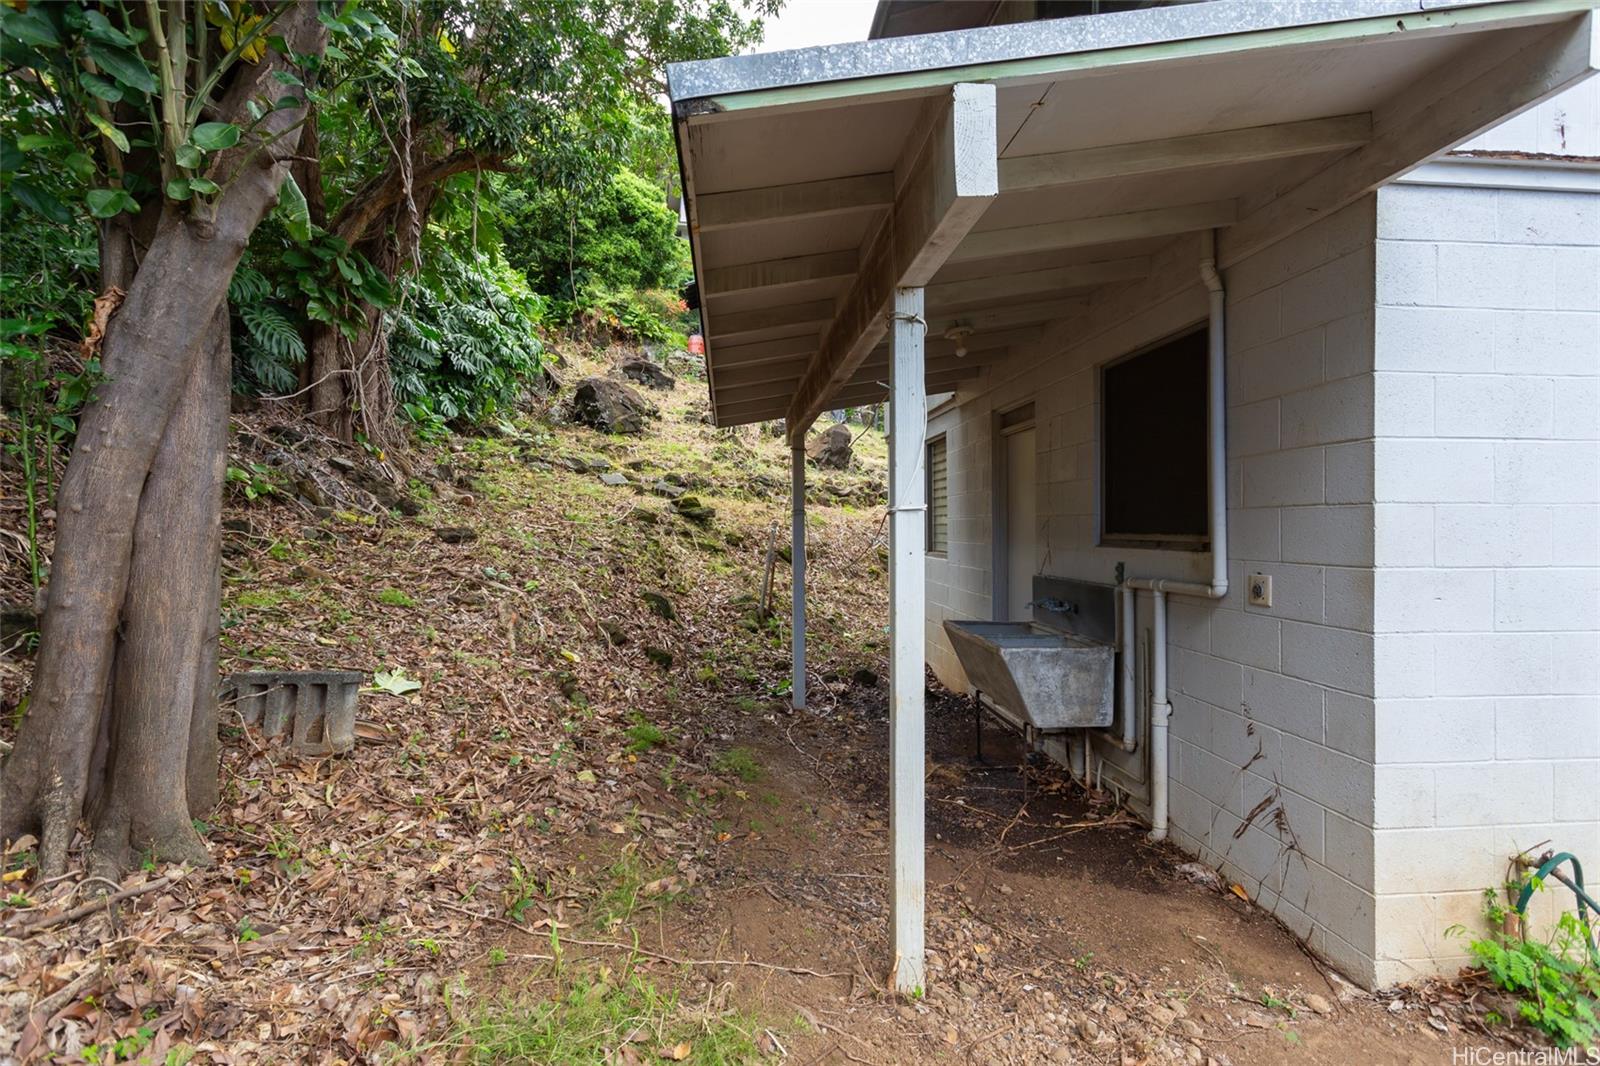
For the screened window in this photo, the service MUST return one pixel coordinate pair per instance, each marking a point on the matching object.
(1153, 446)
(938, 496)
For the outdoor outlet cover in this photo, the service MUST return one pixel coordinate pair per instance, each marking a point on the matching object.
(1260, 590)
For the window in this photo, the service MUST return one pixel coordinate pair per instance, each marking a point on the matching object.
(1153, 446)
(938, 496)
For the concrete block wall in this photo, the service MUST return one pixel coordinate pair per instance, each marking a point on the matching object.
(1486, 587)
(1271, 768)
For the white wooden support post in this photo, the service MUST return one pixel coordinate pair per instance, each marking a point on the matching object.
(797, 551)
(908, 431)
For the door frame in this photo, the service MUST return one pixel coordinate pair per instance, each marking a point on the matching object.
(1003, 422)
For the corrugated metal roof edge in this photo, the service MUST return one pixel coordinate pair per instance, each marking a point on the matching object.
(995, 44)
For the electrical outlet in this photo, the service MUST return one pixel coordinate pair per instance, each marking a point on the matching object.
(1260, 590)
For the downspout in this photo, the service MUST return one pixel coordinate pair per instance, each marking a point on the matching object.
(1160, 587)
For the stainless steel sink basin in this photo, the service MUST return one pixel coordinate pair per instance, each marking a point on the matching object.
(1050, 679)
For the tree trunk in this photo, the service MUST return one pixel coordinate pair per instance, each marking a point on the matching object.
(350, 380)
(307, 171)
(151, 349)
(163, 700)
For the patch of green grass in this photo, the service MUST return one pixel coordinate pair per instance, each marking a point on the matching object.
(740, 762)
(591, 1013)
(629, 885)
(643, 735)
(395, 598)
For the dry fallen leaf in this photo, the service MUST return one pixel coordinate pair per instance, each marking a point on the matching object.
(1238, 890)
(677, 1052)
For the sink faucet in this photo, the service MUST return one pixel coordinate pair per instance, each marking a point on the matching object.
(1055, 606)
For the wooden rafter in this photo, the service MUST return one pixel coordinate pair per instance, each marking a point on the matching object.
(807, 199)
(1101, 229)
(1172, 154)
(775, 273)
(1444, 108)
(945, 181)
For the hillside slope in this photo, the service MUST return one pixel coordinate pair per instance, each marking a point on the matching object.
(559, 712)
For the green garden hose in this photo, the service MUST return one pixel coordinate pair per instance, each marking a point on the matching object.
(1548, 864)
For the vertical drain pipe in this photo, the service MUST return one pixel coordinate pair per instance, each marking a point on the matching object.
(1127, 708)
(1217, 471)
(1160, 716)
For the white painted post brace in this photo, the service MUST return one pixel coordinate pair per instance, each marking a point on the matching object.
(908, 431)
(797, 590)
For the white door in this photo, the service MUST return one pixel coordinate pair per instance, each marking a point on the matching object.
(1021, 521)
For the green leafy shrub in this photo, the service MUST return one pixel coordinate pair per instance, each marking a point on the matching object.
(465, 339)
(287, 281)
(652, 315)
(1556, 982)
(622, 238)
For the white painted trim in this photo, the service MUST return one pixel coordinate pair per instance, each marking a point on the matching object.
(1544, 175)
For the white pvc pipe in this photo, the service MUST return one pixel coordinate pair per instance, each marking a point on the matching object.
(1160, 714)
(1078, 758)
(797, 590)
(1217, 474)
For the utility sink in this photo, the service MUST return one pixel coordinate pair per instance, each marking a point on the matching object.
(1050, 679)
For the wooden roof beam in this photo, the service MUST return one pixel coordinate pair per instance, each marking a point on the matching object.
(1170, 154)
(1443, 108)
(1102, 229)
(806, 199)
(776, 273)
(945, 180)
(726, 357)
(1038, 282)
(731, 324)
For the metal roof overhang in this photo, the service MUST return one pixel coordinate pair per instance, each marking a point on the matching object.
(807, 173)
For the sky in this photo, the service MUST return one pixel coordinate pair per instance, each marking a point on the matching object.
(804, 23)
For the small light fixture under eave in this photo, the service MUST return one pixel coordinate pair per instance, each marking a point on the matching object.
(959, 334)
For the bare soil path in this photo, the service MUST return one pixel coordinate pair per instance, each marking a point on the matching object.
(1057, 933)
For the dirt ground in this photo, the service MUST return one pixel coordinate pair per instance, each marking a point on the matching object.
(1056, 931)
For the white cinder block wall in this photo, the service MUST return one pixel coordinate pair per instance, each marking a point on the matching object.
(1412, 457)
(1271, 764)
(1487, 581)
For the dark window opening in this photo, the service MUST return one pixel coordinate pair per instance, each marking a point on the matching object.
(1153, 446)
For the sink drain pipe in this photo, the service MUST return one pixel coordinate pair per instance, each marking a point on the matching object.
(1160, 588)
